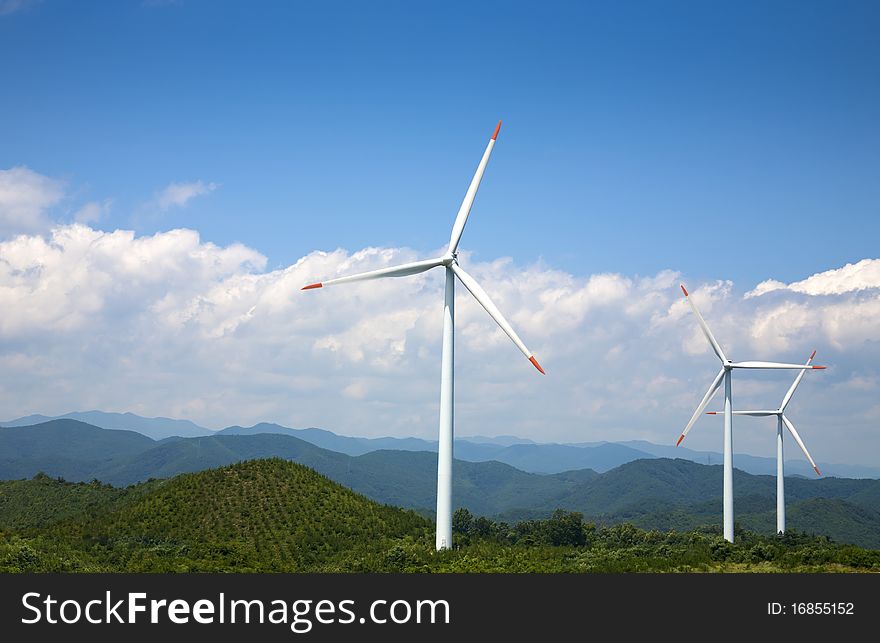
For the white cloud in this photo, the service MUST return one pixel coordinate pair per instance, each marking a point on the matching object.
(179, 194)
(28, 199)
(171, 325)
(25, 198)
(78, 278)
(852, 277)
(93, 211)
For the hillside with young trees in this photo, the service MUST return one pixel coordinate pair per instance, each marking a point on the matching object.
(271, 515)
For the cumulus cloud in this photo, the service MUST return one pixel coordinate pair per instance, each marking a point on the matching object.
(852, 277)
(177, 195)
(171, 325)
(78, 278)
(25, 199)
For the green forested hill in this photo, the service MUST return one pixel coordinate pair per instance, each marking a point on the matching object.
(841, 520)
(406, 478)
(70, 438)
(682, 482)
(262, 514)
(654, 493)
(42, 500)
(679, 494)
(68, 448)
(272, 515)
(409, 479)
(187, 455)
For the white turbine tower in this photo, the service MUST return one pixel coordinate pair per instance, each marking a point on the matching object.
(780, 462)
(724, 375)
(450, 262)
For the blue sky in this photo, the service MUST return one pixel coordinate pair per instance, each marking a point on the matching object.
(735, 146)
(637, 135)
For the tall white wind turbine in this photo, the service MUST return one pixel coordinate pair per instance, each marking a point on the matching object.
(450, 262)
(724, 375)
(781, 420)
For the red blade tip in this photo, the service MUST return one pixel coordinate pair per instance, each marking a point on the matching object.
(820, 368)
(817, 471)
(680, 439)
(711, 412)
(684, 290)
(310, 286)
(813, 355)
(538, 366)
(495, 136)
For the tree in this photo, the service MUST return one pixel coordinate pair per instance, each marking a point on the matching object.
(482, 527)
(462, 521)
(566, 528)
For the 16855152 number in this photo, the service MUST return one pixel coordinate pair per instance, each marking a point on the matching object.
(822, 608)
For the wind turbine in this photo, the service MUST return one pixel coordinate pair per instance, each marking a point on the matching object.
(724, 375)
(780, 462)
(449, 261)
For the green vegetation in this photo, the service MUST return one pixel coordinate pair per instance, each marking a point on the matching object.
(663, 494)
(659, 493)
(261, 515)
(43, 500)
(272, 515)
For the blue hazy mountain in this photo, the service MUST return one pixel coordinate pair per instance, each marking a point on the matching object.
(534, 458)
(554, 458)
(334, 442)
(521, 453)
(80, 452)
(156, 428)
(756, 464)
(500, 440)
(68, 448)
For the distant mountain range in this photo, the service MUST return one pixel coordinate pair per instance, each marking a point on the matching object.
(403, 478)
(521, 453)
(651, 493)
(533, 458)
(156, 428)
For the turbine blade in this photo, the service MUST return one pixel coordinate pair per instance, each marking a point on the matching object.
(403, 270)
(480, 295)
(754, 364)
(705, 327)
(800, 442)
(757, 414)
(794, 385)
(716, 383)
(465, 209)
